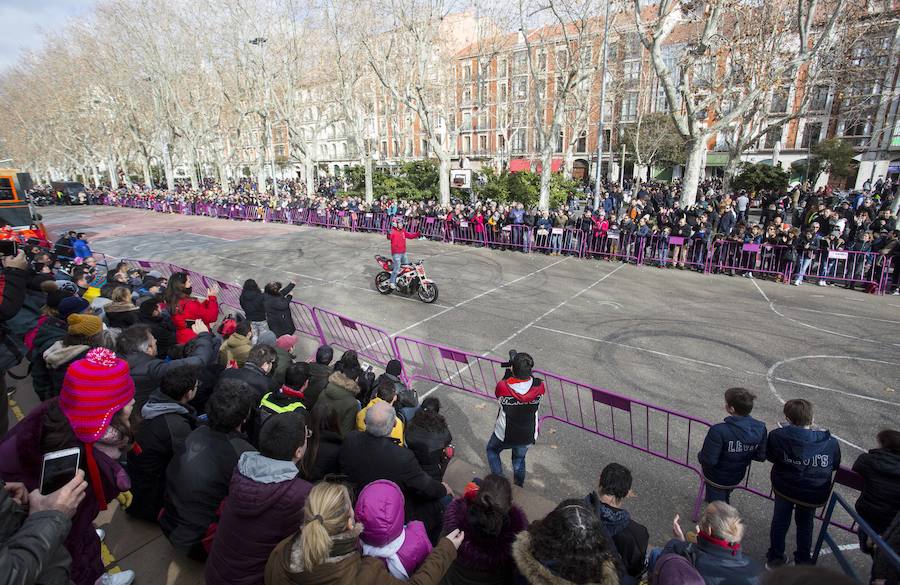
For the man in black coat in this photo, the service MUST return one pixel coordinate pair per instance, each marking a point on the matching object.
(138, 346)
(629, 537)
(160, 325)
(371, 455)
(255, 372)
(198, 476)
(319, 371)
(167, 421)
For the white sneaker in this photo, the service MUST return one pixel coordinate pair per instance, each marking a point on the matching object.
(393, 286)
(120, 578)
(822, 283)
(796, 283)
(101, 534)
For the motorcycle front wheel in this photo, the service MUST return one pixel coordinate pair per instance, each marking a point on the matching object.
(383, 283)
(428, 292)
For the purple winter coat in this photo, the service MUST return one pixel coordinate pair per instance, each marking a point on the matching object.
(481, 558)
(264, 506)
(21, 460)
(380, 509)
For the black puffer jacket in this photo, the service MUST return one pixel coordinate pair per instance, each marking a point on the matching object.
(879, 501)
(31, 546)
(428, 446)
(278, 312)
(162, 432)
(197, 481)
(253, 305)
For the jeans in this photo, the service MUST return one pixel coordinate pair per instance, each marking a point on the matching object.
(258, 328)
(398, 260)
(715, 494)
(556, 243)
(804, 266)
(495, 446)
(781, 522)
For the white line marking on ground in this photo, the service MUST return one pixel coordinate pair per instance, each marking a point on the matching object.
(841, 547)
(823, 330)
(843, 315)
(518, 332)
(476, 297)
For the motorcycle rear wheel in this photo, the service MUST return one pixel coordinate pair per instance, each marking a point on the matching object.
(428, 292)
(383, 283)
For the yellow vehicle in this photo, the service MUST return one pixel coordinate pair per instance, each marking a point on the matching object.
(17, 219)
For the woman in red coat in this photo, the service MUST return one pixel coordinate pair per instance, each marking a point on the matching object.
(183, 308)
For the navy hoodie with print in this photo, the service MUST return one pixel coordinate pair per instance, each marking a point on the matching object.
(729, 448)
(803, 463)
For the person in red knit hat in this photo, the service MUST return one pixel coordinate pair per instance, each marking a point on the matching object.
(91, 413)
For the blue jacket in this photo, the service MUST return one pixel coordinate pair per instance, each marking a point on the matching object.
(517, 216)
(82, 250)
(803, 463)
(730, 447)
(717, 564)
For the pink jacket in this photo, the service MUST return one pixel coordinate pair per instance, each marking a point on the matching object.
(380, 510)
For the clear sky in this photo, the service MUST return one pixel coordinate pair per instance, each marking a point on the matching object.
(27, 22)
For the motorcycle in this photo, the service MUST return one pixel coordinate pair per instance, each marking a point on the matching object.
(411, 280)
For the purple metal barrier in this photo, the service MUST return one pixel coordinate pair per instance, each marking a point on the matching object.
(662, 250)
(845, 267)
(468, 232)
(433, 228)
(370, 342)
(556, 241)
(371, 222)
(737, 257)
(614, 246)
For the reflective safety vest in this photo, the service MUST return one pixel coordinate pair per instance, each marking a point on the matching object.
(277, 408)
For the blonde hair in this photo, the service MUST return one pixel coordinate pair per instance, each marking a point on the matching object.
(722, 521)
(121, 294)
(325, 514)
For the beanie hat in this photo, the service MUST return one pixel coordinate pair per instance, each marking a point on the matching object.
(55, 297)
(148, 306)
(84, 325)
(155, 274)
(286, 342)
(394, 368)
(267, 338)
(70, 305)
(94, 390)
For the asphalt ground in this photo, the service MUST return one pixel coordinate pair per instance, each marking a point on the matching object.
(672, 338)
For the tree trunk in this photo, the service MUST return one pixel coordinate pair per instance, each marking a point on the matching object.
(148, 176)
(167, 166)
(546, 175)
(696, 153)
(443, 175)
(731, 167)
(309, 168)
(367, 166)
(195, 182)
(569, 164)
(96, 173)
(111, 170)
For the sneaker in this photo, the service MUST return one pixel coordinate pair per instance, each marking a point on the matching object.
(822, 283)
(796, 283)
(896, 292)
(101, 534)
(120, 578)
(393, 286)
(776, 563)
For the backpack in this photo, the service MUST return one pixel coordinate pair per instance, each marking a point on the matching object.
(674, 569)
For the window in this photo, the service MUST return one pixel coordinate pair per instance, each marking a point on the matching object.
(542, 61)
(482, 119)
(818, 99)
(520, 63)
(518, 141)
(482, 143)
(466, 121)
(467, 72)
(631, 71)
(502, 66)
(581, 146)
(560, 141)
(520, 115)
(811, 134)
(521, 89)
(501, 142)
(423, 147)
(467, 95)
(780, 100)
(632, 46)
(585, 55)
(562, 59)
(772, 137)
(467, 144)
(629, 107)
(6, 189)
(502, 92)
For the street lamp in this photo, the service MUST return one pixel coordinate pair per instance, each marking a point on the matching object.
(598, 174)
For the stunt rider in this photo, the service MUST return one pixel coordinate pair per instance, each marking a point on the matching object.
(398, 236)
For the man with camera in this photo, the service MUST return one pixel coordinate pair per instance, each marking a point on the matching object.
(12, 295)
(519, 396)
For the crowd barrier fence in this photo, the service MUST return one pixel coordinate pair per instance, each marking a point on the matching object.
(868, 269)
(654, 430)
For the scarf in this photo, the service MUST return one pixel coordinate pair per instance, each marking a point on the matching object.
(389, 552)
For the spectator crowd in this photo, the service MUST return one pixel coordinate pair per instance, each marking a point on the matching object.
(270, 469)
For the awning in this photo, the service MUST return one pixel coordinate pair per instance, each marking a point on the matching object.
(524, 164)
(716, 159)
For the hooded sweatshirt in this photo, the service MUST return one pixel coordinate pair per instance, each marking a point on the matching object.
(517, 417)
(879, 501)
(264, 506)
(629, 537)
(380, 509)
(803, 463)
(730, 447)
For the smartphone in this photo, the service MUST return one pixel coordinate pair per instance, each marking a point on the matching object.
(9, 247)
(189, 322)
(59, 468)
